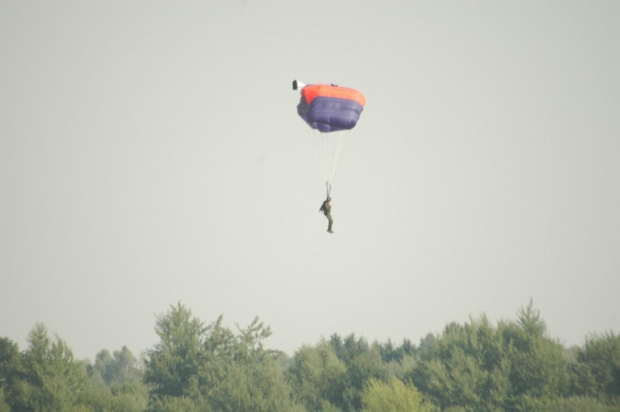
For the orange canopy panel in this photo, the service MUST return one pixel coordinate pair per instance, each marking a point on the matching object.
(325, 90)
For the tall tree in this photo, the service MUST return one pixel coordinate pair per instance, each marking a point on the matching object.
(362, 363)
(596, 372)
(53, 380)
(537, 362)
(514, 366)
(240, 374)
(318, 377)
(10, 373)
(119, 368)
(212, 367)
(172, 366)
(465, 367)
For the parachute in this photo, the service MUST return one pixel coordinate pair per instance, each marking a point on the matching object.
(332, 111)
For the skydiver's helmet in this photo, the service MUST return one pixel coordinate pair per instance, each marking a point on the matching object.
(329, 198)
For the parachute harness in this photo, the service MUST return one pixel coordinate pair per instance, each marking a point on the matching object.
(329, 189)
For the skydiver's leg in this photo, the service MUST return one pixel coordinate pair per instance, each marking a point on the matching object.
(331, 222)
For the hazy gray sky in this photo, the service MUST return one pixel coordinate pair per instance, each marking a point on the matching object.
(150, 153)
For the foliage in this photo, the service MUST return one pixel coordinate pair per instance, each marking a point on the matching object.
(10, 373)
(597, 368)
(578, 404)
(179, 404)
(537, 362)
(465, 366)
(200, 367)
(394, 396)
(173, 364)
(363, 362)
(118, 368)
(51, 380)
(211, 365)
(318, 378)
(513, 366)
(46, 377)
(4, 407)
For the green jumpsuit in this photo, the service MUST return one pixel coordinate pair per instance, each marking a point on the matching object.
(327, 210)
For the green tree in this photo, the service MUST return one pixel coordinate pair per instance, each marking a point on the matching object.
(578, 404)
(537, 362)
(211, 365)
(115, 369)
(596, 372)
(513, 366)
(4, 407)
(128, 397)
(360, 370)
(362, 363)
(317, 376)
(179, 404)
(465, 366)
(243, 375)
(172, 366)
(391, 353)
(10, 373)
(393, 396)
(52, 380)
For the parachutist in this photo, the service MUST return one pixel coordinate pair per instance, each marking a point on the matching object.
(326, 109)
(326, 208)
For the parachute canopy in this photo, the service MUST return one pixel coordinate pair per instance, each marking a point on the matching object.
(333, 111)
(329, 108)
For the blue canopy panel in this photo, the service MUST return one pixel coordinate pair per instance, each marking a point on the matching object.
(330, 114)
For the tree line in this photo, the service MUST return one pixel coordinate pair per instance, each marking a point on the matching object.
(198, 367)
